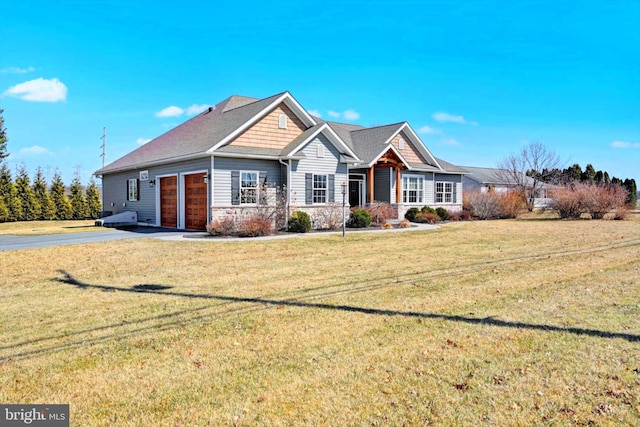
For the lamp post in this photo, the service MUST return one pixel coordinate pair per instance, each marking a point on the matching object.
(344, 194)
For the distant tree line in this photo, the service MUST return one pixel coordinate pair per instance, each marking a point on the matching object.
(24, 200)
(575, 174)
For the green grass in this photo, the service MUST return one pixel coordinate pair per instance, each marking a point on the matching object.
(517, 322)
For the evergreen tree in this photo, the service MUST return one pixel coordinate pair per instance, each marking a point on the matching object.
(589, 174)
(3, 138)
(59, 197)
(47, 208)
(8, 193)
(30, 208)
(94, 204)
(4, 210)
(632, 197)
(574, 173)
(78, 200)
(599, 178)
(607, 180)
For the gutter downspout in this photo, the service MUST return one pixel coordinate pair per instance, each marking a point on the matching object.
(287, 166)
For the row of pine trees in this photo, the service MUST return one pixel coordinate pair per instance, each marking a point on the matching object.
(22, 199)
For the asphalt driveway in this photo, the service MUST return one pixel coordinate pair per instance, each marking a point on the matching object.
(11, 243)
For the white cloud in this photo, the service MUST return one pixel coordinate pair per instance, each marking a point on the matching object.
(39, 90)
(195, 109)
(351, 115)
(443, 117)
(142, 141)
(428, 129)
(625, 144)
(171, 111)
(315, 113)
(34, 150)
(16, 70)
(450, 141)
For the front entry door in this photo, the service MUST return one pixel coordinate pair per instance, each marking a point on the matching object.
(169, 201)
(355, 192)
(195, 202)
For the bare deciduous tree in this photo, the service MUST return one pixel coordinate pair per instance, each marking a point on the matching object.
(535, 157)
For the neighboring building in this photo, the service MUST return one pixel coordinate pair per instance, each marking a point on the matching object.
(500, 181)
(226, 160)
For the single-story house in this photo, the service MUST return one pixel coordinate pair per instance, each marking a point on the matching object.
(501, 181)
(227, 159)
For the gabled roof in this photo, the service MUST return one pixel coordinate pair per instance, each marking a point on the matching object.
(210, 132)
(492, 176)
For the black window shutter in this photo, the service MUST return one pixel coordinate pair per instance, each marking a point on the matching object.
(235, 187)
(454, 196)
(308, 188)
(332, 188)
(137, 189)
(127, 193)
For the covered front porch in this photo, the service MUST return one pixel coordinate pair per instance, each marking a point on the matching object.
(381, 181)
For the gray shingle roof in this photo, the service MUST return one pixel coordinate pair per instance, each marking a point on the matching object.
(491, 176)
(195, 136)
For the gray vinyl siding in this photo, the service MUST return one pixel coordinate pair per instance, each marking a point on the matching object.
(311, 163)
(115, 188)
(382, 185)
(222, 175)
(457, 191)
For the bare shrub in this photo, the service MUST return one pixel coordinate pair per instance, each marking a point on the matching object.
(381, 212)
(255, 225)
(387, 225)
(621, 213)
(221, 227)
(511, 204)
(484, 205)
(581, 198)
(427, 217)
(329, 217)
(605, 198)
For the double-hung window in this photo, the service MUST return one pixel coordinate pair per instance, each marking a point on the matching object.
(248, 187)
(132, 190)
(319, 188)
(444, 192)
(412, 189)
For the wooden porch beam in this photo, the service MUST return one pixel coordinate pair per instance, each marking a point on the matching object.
(398, 185)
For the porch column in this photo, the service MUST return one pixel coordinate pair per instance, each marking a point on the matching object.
(398, 184)
(370, 184)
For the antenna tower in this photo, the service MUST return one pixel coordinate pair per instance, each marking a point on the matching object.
(104, 145)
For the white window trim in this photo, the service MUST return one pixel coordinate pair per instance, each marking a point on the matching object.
(282, 121)
(326, 189)
(257, 187)
(132, 191)
(419, 192)
(320, 151)
(444, 192)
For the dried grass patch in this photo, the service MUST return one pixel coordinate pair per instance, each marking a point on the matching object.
(496, 323)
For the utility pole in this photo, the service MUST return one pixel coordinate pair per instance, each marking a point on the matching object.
(104, 145)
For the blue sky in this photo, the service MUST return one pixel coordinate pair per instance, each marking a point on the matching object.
(476, 79)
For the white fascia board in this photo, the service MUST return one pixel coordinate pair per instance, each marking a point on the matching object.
(247, 156)
(289, 102)
(302, 114)
(392, 148)
(421, 146)
(331, 136)
(155, 163)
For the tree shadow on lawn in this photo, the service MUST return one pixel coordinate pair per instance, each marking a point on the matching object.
(68, 279)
